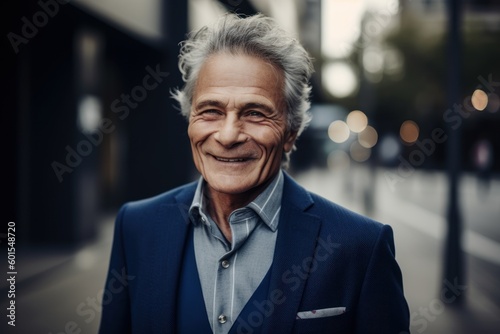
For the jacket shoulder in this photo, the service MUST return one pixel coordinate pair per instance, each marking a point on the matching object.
(334, 216)
(359, 235)
(326, 206)
(180, 196)
(344, 222)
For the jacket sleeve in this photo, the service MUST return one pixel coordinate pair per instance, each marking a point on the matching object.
(116, 301)
(382, 307)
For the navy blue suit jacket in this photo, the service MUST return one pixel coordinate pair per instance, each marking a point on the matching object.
(325, 257)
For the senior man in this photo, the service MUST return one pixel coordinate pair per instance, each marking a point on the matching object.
(246, 249)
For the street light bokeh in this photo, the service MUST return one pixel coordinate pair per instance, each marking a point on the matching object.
(368, 137)
(409, 132)
(479, 99)
(357, 121)
(338, 131)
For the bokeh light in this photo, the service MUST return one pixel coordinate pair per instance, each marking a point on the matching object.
(373, 60)
(357, 121)
(339, 79)
(389, 148)
(409, 132)
(338, 132)
(479, 99)
(89, 114)
(368, 137)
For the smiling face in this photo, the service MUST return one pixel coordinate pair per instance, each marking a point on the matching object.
(237, 126)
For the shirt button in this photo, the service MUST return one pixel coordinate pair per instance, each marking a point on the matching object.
(225, 264)
(222, 318)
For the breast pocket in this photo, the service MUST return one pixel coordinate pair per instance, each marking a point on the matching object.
(338, 324)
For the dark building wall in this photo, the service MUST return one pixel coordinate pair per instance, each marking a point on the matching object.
(140, 155)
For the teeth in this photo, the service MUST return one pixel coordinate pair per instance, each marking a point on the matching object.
(230, 160)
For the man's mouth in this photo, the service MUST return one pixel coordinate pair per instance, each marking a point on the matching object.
(221, 159)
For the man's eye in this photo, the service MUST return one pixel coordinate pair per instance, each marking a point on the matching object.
(254, 113)
(211, 112)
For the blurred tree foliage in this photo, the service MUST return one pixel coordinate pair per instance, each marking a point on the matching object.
(419, 93)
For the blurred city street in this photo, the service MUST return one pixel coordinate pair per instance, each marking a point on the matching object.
(62, 293)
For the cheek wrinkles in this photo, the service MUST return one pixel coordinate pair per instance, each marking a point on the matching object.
(267, 133)
(198, 129)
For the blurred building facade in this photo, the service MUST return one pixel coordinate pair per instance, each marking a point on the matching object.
(94, 125)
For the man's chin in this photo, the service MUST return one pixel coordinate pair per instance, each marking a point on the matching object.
(233, 189)
(230, 185)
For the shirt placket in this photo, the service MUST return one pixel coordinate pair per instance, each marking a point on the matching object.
(225, 285)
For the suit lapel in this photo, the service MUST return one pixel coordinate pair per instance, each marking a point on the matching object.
(295, 247)
(170, 232)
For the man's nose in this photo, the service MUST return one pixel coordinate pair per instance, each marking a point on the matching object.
(230, 133)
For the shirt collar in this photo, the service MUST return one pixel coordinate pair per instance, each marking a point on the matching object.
(267, 204)
(194, 211)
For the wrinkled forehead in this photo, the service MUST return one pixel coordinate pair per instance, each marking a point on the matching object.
(240, 71)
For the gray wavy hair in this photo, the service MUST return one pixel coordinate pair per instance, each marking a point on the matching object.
(258, 36)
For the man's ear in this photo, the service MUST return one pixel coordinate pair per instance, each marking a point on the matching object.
(290, 137)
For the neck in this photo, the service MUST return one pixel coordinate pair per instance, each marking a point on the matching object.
(221, 205)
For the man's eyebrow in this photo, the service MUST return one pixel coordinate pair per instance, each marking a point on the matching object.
(246, 106)
(210, 103)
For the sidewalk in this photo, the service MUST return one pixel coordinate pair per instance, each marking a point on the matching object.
(60, 291)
